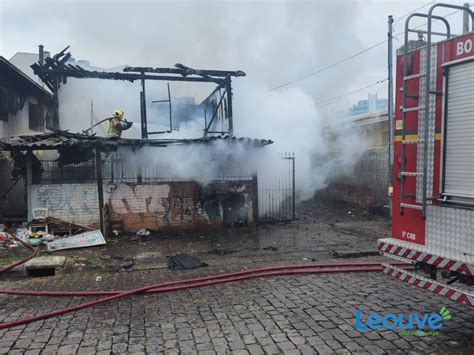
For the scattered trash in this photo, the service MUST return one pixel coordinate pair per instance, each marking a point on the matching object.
(126, 262)
(143, 233)
(48, 237)
(305, 259)
(3, 236)
(36, 242)
(98, 278)
(270, 247)
(22, 234)
(184, 262)
(87, 239)
(115, 232)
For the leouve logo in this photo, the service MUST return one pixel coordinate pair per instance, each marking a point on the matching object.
(403, 321)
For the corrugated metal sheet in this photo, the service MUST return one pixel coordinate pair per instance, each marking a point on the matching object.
(65, 139)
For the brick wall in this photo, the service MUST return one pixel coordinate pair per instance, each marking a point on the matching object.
(366, 185)
(180, 205)
(157, 206)
(76, 203)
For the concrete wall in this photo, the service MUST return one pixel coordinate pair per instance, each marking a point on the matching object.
(157, 206)
(19, 123)
(366, 185)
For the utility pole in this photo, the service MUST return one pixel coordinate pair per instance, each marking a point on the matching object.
(390, 109)
(465, 19)
(92, 116)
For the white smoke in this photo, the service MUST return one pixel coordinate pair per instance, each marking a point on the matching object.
(272, 44)
(288, 116)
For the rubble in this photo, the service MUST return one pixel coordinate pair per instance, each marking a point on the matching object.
(87, 239)
(143, 233)
(184, 262)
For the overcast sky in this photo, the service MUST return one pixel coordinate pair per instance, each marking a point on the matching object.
(273, 42)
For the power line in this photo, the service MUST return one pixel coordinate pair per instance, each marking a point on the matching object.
(397, 19)
(331, 100)
(356, 54)
(327, 67)
(327, 102)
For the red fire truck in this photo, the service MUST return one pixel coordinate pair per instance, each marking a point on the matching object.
(433, 160)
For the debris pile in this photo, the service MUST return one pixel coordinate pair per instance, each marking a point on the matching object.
(184, 262)
(7, 241)
(52, 233)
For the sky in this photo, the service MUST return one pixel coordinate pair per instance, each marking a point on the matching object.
(274, 42)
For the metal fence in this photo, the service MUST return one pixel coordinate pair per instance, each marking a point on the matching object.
(117, 170)
(276, 188)
(55, 173)
(276, 191)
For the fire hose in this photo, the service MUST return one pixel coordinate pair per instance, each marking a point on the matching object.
(192, 283)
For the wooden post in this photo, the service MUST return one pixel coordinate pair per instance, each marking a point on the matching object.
(229, 106)
(100, 189)
(29, 182)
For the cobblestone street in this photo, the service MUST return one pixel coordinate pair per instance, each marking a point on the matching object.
(289, 314)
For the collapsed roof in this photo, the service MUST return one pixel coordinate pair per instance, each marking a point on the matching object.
(63, 139)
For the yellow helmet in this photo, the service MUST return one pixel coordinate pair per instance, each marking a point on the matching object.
(118, 113)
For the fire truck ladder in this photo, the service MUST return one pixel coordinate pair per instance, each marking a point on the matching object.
(421, 107)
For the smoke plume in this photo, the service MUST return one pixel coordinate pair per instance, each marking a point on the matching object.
(273, 42)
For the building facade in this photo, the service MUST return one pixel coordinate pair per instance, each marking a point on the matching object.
(366, 184)
(23, 110)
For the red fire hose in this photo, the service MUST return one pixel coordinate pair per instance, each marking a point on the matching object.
(191, 283)
(205, 278)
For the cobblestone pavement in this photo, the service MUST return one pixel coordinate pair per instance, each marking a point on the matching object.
(291, 314)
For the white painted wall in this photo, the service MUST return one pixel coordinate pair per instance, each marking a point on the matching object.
(23, 61)
(75, 203)
(19, 123)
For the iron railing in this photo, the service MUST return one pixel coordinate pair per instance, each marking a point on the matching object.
(277, 192)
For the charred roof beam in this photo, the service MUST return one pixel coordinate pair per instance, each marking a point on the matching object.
(186, 71)
(78, 72)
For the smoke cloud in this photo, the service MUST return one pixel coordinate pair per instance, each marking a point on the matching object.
(273, 42)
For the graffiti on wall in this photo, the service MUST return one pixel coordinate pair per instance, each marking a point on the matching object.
(156, 205)
(171, 204)
(67, 201)
(152, 205)
(128, 198)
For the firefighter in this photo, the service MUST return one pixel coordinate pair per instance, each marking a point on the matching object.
(117, 124)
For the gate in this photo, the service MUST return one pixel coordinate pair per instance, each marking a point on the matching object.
(276, 191)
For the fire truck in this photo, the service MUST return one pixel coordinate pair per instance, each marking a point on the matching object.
(433, 159)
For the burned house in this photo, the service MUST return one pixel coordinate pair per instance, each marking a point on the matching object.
(89, 184)
(113, 184)
(23, 110)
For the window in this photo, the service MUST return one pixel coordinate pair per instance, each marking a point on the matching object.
(35, 117)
